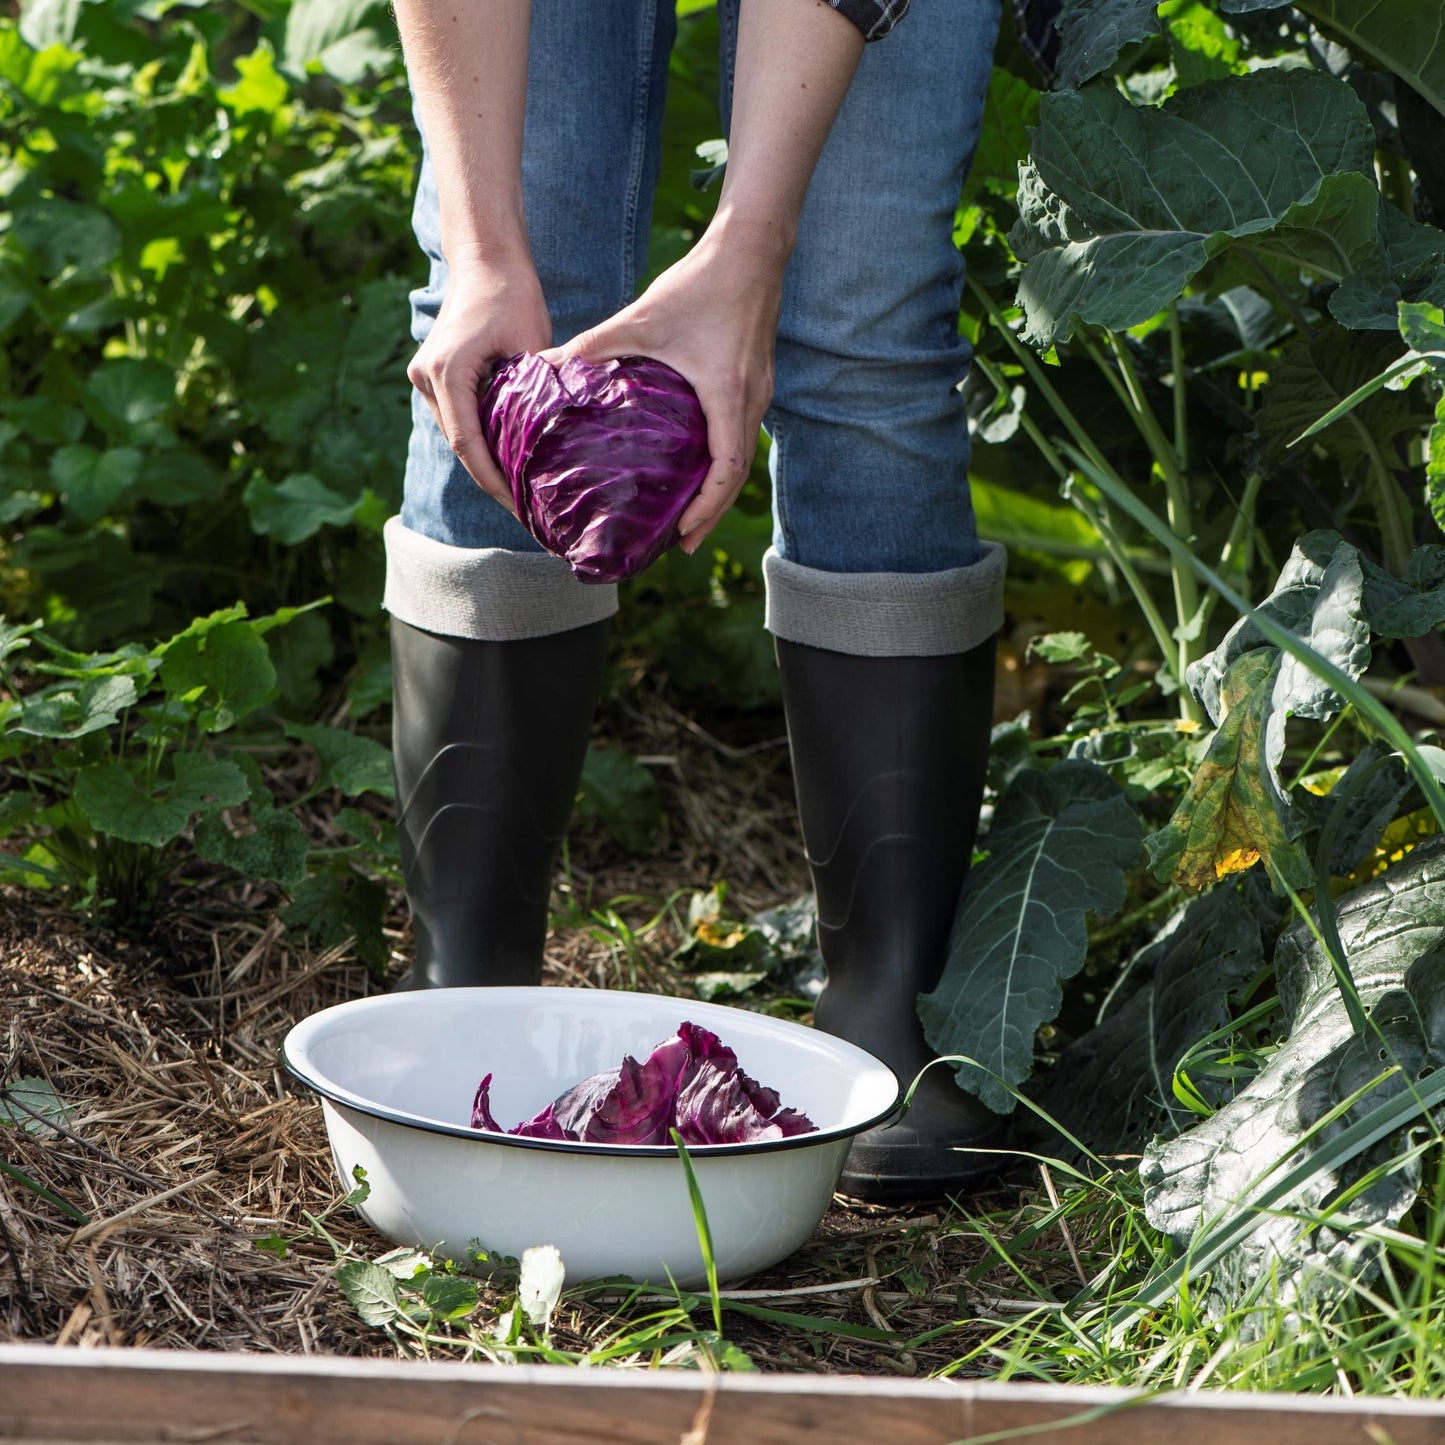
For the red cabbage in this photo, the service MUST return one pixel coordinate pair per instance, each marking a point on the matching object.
(602, 457)
(690, 1082)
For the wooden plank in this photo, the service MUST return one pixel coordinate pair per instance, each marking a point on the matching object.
(140, 1397)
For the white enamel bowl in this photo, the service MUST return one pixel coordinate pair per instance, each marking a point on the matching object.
(396, 1075)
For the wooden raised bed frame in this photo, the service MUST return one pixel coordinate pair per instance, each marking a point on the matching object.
(104, 1397)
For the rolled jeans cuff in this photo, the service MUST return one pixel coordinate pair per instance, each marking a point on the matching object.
(887, 614)
(485, 593)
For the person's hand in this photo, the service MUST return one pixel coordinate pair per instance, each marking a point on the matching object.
(713, 317)
(493, 309)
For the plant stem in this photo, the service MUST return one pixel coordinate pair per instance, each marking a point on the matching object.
(1181, 398)
(1130, 921)
(1047, 449)
(1035, 369)
(1395, 536)
(1326, 738)
(1241, 531)
(1099, 521)
(1239, 541)
(1181, 523)
(1117, 551)
(1112, 376)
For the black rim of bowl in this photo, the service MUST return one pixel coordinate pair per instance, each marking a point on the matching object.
(357, 1104)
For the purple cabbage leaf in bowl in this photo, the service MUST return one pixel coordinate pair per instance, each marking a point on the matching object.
(602, 457)
(690, 1082)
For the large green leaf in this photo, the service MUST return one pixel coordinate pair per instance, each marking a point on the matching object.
(1423, 327)
(1121, 205)
(1201, 45)
(337, 906)
(1310, 378)
(349, 761)
(1308, 1242)
(290, 375)
(1319, 596)
(1404, 37)
(259, 89)
(1011, 108)
(300, 651)
(15, 636)
(70, 710)
(372, 1291)
(1373, 804)
(1093, 32)
(296, 509)
(1235, 814)
(1422, 137)
(117, 805)
(33, 1105)
(221, 666)
(448, 1296)
(91, 482)
(1408, 606)
(313, 26)
(1113, 1087)
(1060, 845)
(1409, 266)
(1012, 515)
(49, 22)
(275, 848)
(1435, 467)
(62, 233)
(129, 392)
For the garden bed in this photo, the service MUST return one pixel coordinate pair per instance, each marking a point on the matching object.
(200, 1167)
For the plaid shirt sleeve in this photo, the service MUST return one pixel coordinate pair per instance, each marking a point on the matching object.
(875, 18)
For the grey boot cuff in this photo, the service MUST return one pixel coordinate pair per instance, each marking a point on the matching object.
(485, 593)
(887, 614)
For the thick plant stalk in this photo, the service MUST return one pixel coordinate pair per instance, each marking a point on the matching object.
(1031, 364)
(1177, 652)
(1181, 397)
(1180, 515)
(1113, 545)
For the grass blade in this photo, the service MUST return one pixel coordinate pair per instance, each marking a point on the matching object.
(704, 1230)
(1408, 362)
(21, 1177)
(816, 1323)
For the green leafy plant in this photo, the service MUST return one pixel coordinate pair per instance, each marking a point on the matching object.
(1225, 333)
(1215, 290)
(202, 300)
(122, 757)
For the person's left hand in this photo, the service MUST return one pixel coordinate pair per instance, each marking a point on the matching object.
(713, 317)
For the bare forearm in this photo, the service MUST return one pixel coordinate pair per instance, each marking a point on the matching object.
(467, 61)
(795, 60)
(468, 69)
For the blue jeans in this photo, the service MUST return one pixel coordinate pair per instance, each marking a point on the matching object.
(870, 440)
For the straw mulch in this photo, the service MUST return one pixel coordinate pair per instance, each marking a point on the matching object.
(186, 1143)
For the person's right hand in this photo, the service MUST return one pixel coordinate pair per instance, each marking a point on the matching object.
(493, 309)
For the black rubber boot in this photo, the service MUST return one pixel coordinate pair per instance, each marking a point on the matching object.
(488, 740)
(889, 758)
